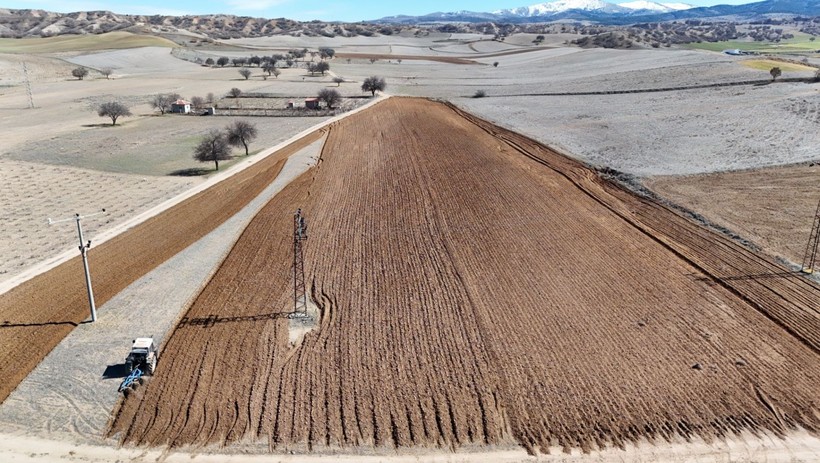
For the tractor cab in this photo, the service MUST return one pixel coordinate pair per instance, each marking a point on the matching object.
(143, 355)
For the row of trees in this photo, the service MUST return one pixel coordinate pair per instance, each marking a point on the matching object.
(216, 145)
(241, 133)
(291, 57)
(82, 72)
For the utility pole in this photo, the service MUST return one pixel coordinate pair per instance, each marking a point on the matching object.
(28, 87)
(84, 247)
(299, 291)
(810, 256)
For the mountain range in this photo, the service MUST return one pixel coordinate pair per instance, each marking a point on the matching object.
(611, 13)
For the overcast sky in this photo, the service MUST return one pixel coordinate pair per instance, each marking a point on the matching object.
(328, 10)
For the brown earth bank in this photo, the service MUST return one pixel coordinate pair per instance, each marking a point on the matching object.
(38, 314)
(772, 207)
(387, 56)
(477, 288)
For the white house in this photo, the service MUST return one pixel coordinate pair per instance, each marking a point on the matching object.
(181, 107)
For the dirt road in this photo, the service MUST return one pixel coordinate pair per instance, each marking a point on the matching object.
(476, 287)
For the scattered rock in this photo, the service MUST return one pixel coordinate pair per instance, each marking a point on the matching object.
(740, 362)
(697, 366)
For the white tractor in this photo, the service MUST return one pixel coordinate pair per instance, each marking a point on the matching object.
(143, 355)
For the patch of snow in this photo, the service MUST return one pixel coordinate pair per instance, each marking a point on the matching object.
(557, 6)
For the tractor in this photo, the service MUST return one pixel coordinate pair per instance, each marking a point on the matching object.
(143, 356)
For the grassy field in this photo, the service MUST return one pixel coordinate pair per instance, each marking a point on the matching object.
(766, 64)
(801, 43)
(108, 41)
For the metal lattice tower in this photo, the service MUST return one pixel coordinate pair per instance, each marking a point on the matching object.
(810, 257)
(299, 291)
(28, 87)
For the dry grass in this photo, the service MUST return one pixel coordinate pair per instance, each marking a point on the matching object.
(64, 43)
(766, 64)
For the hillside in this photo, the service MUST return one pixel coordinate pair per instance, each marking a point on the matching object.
(40, 23)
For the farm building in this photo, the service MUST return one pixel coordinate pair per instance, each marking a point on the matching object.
(312, 103)
(181, 107)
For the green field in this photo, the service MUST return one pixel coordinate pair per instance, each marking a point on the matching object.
(108, 41)
(801, 43)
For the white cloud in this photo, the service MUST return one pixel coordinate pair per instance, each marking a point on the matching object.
(255, 5)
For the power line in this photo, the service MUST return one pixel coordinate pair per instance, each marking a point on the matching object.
(299, 290)
(810, 256)
(84, 247)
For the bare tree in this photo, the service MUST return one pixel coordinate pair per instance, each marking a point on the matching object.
(163, 101)
(235, 92)
(79, 72)
(775, 72)
(329, 96)
(240, 133)
(213, 148)
(338, 80)
(210, 97)
(325, 52)
(106, 72)
(373, 60)
(114, 110)
(197, 102)
(268, 67)
(245, 72)
(276, 73)
(373, 84)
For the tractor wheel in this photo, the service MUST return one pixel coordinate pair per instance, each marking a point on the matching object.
(126, 392)
(151, 367)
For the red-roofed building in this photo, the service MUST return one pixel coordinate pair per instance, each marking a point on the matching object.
(181, 107)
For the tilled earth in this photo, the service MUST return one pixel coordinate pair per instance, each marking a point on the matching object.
(475, 287)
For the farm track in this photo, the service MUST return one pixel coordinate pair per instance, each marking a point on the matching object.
(38, 314)
(469, 294)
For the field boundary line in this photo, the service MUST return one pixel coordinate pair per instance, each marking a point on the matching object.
(111, 233)
(807, 80)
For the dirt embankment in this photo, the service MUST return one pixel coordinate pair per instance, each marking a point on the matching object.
(476, 287)
(39, 313)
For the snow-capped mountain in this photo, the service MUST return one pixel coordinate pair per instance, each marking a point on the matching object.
(629, 12)
(653, 6)
(559, 6)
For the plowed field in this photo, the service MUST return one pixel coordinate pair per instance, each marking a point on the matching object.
(476, 287)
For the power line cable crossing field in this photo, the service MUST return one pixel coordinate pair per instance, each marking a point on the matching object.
(475, 287)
